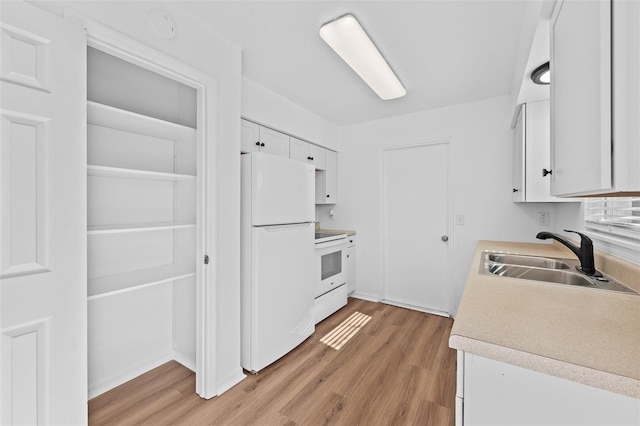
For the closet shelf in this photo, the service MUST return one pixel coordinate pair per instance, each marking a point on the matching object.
(130, 281)
(121, 229)
(116, 118)
(117, 172)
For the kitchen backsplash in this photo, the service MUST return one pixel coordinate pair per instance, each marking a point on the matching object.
(623, 271)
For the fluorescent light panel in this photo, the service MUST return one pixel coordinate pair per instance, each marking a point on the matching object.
(349, 40)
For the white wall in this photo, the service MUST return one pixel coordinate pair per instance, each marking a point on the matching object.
(570, 216)
(481, 150)
(263, 106)
(197, 46)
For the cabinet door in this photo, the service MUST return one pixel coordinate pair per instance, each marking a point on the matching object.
(298, 150)
(518, 157)
(537, 154)
(326, 180)
(626, 95)
(351, 269)
(331, 176)
(249, 136)
(307, 152)
(496, 393)
(275, 143)
(581, 98)
(318, 156)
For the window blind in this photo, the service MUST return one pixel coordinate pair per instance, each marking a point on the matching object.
(614, 225)
(617, 216)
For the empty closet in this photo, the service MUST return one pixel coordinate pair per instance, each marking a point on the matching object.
(143, 230)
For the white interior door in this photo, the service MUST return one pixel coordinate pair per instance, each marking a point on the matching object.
(43, 325)
(416, 212)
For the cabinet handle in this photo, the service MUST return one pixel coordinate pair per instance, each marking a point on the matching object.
(328, 195)
(546, 172)
(515, 190)
(262, 144)
(257, 143)
(311, 158)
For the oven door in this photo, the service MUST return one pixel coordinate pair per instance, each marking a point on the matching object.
(331, 259)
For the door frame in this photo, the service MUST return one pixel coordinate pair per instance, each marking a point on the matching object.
(449, 205)
(127, 49)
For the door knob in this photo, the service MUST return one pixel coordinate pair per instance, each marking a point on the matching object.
(444, 238)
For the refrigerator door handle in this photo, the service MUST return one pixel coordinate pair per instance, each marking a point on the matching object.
(277, 228)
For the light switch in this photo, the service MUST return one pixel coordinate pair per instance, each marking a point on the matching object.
(460, 220)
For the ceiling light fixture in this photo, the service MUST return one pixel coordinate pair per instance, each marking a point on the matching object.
(349, 40)
(541, 75)
(161, 24)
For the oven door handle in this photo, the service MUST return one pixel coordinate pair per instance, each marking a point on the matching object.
(332, 243)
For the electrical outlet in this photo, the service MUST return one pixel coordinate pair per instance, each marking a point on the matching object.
(543, 219)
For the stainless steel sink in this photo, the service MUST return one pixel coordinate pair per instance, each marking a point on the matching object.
(544, 269)
(539, 274)
(517, 259)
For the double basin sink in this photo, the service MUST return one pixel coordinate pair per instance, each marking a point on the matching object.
(546, 269)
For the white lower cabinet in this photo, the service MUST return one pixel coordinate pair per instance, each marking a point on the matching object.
(351, 264)
(494, 393)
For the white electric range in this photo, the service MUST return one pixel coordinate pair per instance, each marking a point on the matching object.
(331, 276)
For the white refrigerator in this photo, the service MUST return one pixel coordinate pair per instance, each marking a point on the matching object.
(277, 275)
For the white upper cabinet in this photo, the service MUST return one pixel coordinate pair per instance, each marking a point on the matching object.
(594, 48)
(249, 136)
(259, 138)
(327, 180)
(531, 151)
(518, 157)
(307, 153)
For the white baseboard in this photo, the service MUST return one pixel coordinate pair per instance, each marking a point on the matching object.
(184, 360)
(365, 296)
(417, 308)
(114, 380)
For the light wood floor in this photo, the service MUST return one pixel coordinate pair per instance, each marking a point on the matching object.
(397, 370)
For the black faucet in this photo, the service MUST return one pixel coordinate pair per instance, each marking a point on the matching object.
(584, 252)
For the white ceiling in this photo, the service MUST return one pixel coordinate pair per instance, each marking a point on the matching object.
(444, 52)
